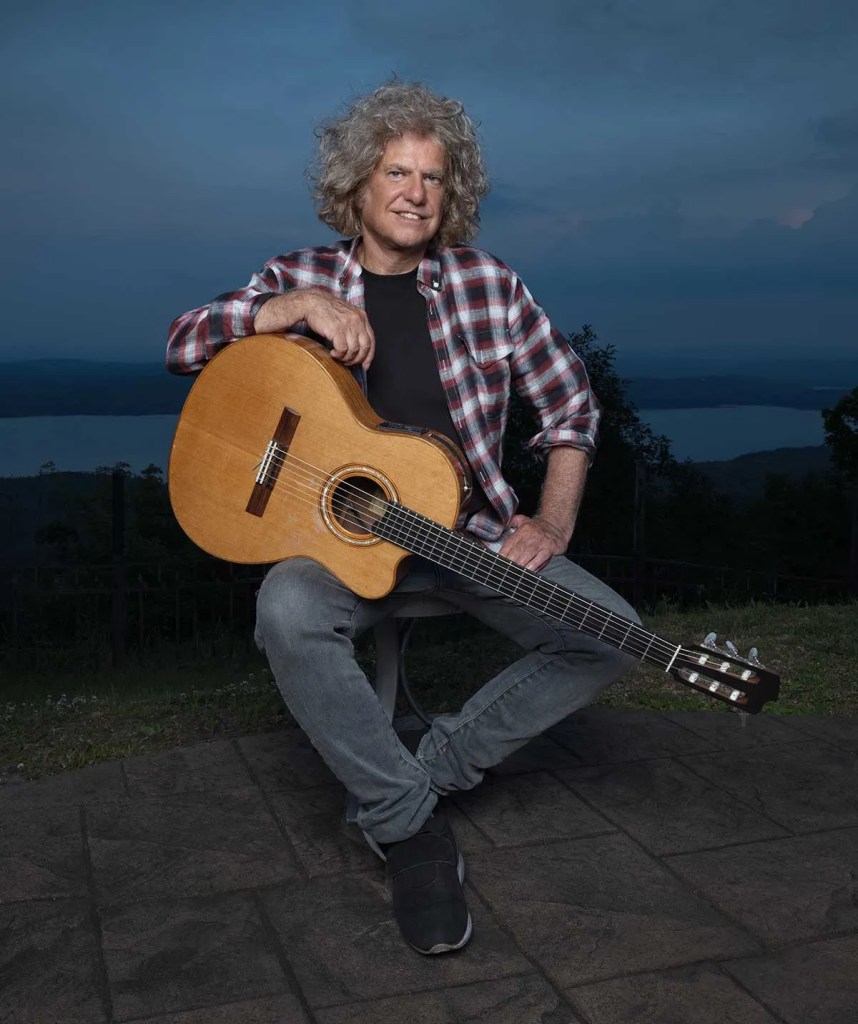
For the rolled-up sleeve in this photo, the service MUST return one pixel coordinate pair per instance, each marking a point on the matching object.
(195, 336)
(551, 379)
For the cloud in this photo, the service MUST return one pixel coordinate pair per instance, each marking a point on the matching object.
(676, 151)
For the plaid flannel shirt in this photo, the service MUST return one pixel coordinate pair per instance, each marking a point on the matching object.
(488, 334)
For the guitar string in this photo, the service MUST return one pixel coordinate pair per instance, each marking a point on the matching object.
(603, 617)
(681, 655)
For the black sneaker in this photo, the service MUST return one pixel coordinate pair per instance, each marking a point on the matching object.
(426, 873)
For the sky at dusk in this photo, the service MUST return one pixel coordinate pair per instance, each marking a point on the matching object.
(682, 174)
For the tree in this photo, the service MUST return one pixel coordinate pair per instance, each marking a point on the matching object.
(685, 517)
(841, 435)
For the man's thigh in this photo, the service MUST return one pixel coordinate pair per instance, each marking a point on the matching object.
(302, 591)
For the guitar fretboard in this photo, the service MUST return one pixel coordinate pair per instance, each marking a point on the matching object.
(421, 536)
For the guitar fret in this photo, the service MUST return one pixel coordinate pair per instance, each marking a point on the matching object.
(423, 536)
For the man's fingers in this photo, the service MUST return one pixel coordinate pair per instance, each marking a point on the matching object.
(527, 556)
(345, 326)
(353, 343)
(355, 348)
(529, 545)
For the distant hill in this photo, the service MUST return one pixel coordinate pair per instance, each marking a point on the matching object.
(745, 475)
(816, 369)
(736, 389)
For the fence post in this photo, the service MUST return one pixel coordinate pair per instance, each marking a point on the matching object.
(120, 615)
(638, 536)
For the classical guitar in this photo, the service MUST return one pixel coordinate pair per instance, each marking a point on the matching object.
(277, 453)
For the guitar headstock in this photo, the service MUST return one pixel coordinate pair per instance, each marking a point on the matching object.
(721, 673)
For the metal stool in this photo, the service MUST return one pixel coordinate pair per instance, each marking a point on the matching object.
(391, 644)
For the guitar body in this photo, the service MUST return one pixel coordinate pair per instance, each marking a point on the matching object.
(272, 436)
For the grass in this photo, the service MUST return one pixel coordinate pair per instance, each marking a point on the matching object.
(54, 721)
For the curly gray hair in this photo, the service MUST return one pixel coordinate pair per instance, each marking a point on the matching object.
(351, 146)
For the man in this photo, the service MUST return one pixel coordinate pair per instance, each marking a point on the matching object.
(436, 333)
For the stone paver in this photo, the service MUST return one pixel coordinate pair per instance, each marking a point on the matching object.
(164, 956)
(539, 755)
(842, 732)
(783, 891)
(41, 855)
(626, 736)
(595, 908)
(680, 867)
(277, 1010)
(529, 808)
(185, 847)
(49, 968)
(728, 730)
(344, 945)
(503, 1001)
(701, 994)
(285, 760)
(205, 768)
(815, 984)
(668, 808)
(793, 784)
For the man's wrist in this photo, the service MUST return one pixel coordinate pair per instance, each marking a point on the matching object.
(281, 312)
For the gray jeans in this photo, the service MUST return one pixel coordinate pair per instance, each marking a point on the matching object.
(306, 624)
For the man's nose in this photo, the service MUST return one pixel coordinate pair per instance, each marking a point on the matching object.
(416, 191)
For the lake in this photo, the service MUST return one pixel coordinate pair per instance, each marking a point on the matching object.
(81, 443)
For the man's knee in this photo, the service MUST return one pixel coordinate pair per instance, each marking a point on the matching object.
(295, 596)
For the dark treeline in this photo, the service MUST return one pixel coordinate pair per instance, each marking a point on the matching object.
(799, 527)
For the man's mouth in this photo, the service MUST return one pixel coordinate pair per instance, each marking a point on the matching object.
(408, 215)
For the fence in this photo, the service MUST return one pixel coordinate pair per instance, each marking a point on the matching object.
(96, 615)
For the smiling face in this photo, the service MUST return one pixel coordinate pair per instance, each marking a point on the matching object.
(402, 204)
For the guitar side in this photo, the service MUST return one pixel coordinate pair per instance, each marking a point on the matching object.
(219, 451)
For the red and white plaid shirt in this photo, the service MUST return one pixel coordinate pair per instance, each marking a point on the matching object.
(488, 333)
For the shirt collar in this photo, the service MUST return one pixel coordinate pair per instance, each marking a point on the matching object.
(428, 270)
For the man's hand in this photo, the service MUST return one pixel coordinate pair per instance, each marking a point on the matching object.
(344, 325)
(534, 542)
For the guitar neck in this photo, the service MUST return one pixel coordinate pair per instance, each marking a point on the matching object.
(421, 536)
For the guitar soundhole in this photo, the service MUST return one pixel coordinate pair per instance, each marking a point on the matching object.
(354, 504)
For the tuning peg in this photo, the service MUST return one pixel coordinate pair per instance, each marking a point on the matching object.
(732, 648)
(710, 641)
(753, 659)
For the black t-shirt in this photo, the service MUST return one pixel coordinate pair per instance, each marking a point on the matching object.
(403, 384)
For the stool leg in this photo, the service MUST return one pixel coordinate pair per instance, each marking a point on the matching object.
(387, 647)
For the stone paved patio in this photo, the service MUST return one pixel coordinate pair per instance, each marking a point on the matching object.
(628, 866)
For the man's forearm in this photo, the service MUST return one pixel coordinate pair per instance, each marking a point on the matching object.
(281, 312)
(563, 489)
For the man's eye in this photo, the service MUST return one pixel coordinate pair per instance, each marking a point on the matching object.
(394, 174)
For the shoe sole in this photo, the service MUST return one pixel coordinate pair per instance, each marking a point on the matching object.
(447, 947)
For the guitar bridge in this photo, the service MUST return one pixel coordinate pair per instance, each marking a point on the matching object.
(272, 462)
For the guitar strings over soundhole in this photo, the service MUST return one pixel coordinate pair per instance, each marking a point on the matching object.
(353, 502)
